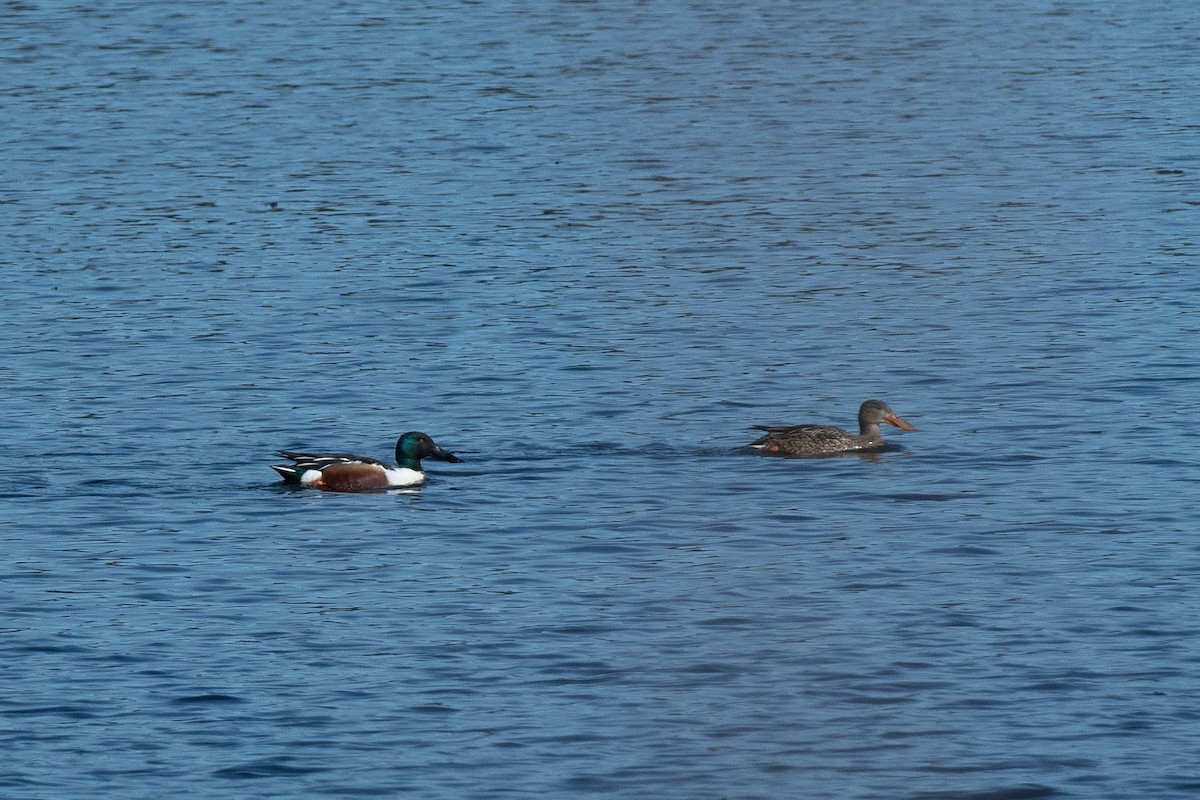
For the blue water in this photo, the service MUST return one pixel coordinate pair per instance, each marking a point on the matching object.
(585, 246)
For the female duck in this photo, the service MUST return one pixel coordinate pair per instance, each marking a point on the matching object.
(816, 440)
(346, 473)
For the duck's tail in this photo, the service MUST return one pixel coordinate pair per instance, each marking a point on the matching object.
(290, 474)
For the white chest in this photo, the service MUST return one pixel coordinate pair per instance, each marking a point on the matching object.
(403, 476)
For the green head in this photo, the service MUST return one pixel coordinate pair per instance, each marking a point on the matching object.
(414, 445)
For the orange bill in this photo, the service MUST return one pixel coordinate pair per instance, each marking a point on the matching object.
(892, 419)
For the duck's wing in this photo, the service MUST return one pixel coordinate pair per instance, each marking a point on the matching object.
(789, 430)
(803, 439)
(319, 461)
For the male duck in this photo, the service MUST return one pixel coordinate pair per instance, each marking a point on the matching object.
(814, 440)
(346, 473)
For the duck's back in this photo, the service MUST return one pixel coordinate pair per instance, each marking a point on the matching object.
(806, 440)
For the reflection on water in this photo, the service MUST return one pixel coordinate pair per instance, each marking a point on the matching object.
(588, 248)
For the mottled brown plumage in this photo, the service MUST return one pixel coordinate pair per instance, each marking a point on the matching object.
(812, 440)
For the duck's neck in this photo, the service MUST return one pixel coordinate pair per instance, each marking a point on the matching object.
(407, 461)
(869, 431)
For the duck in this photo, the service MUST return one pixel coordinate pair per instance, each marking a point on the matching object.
(335, 472)
(815, 440)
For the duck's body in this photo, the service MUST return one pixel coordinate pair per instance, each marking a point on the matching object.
(335, 472)
(818, 440)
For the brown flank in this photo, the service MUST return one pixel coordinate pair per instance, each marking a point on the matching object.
(352, 478)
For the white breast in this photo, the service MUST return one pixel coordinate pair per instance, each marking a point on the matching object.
(402, 476)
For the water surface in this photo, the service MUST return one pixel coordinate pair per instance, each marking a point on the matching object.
(585, 247)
